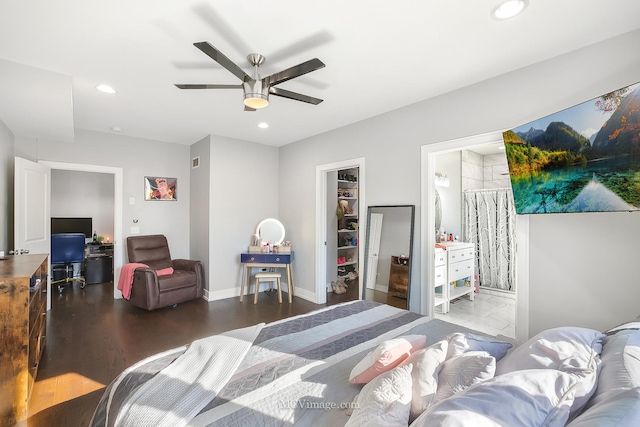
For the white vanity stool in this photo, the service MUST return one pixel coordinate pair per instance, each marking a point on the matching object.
(267, 277)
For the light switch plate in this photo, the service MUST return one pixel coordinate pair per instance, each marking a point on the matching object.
(132, 200)
(135, 230)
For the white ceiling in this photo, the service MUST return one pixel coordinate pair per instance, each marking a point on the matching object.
(379, 56)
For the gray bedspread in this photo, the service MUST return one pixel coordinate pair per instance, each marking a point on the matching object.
(295, 373)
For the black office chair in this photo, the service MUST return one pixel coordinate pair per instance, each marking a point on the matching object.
(66, 249)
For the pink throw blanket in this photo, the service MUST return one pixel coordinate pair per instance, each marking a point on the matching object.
(126, 278)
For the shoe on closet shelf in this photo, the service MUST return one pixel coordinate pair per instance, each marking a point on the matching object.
(339, 287)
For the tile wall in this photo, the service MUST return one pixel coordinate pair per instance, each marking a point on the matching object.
(483, 172)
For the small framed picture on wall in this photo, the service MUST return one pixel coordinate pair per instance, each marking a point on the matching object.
(159, 188)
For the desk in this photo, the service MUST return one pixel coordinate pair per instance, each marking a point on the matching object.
(260, 260)
(99, 249)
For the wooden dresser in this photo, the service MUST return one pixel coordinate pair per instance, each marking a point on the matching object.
(399, 277)
(23, 310)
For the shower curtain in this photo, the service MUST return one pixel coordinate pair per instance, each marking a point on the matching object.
(489, 222)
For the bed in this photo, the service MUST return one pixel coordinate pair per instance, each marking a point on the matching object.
(297, 372)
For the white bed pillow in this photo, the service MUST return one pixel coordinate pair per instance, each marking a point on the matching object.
(385, 357)
(537, 397)
(620, 369)
(569, 349)
(460, 342)
(463, 371)
(620, 409)
(384, 401)
(558, 348)
(426, 366)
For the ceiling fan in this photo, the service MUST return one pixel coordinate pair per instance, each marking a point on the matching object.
(256, 89)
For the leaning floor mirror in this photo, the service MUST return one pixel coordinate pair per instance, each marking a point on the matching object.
(388, 250)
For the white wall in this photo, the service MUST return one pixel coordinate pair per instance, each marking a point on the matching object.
(200, 201)
(244, 191)
(584, 269)
(392, 182)
(137, 158)
(6, 188)
(391, 145)
(84, 194)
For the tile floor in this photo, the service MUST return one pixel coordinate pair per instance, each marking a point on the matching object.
(488, 313)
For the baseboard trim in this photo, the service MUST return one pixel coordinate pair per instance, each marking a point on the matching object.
(235, 292)
(497, 292)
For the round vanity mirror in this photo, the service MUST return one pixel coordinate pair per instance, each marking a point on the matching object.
(272, 230)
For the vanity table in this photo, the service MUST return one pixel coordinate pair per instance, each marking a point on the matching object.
(260, 260)
(454, 273)
(269, 231)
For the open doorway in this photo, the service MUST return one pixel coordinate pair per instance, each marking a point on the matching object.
(331, 242)
(495, 309)
(116, 218)
(83, 202)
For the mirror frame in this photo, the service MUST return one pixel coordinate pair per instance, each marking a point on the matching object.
(366, 248)
(277, 223)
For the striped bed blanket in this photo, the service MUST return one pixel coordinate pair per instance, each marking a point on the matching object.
(290, 372)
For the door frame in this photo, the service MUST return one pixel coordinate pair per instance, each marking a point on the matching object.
(322, 172)
(118, 247)
(427, 222)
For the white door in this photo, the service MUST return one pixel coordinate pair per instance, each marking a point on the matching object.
(31, 210)
(32, 195)
(373, 251)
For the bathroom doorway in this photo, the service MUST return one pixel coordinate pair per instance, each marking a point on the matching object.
(475, 169)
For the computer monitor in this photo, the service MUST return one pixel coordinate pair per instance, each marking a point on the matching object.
(72, 225)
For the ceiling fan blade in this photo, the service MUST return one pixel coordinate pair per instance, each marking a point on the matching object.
(294, 95)
(304, 45)
(219, 57)
(208, 86)
(249, 108)
(295, 71)
(216, 21)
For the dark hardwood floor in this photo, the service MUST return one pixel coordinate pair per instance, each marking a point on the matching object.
(91, 338)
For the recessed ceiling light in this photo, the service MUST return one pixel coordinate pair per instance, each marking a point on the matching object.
(263, 125)
(105, 89)
(509, 9)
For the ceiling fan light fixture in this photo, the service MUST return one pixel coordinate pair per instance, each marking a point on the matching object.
(256, 100)
(509, 9)
(256, 94)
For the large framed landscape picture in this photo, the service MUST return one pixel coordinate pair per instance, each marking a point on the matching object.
(583, 159)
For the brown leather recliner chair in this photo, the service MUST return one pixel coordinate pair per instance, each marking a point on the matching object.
(150, 291)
